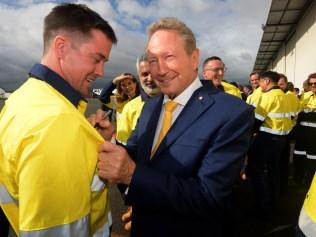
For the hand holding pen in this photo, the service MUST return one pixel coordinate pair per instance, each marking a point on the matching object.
(104, 115)
(100, 121)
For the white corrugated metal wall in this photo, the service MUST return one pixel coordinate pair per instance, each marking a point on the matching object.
(297, 57)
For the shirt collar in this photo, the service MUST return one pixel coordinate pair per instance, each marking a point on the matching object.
(274, 88)
(143, 95)
(184, 97)
(42, 72)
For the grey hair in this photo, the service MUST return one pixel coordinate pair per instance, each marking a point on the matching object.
(142, 58)
(174, 24)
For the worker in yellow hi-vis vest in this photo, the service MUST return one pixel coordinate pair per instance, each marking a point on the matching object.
(48, 149)
(273, 123)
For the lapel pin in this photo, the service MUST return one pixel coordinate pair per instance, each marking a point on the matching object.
(200, 98)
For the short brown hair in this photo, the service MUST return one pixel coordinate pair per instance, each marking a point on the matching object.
(74, 18)
(313, 75)
(213, 58)
(283, 76)
(174, 24)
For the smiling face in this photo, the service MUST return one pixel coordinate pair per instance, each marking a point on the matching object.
(214, 70)
(82, 61)
(282, 84)
(128, 87)
(147, 82)
(254, 80)
(312, 84)
(171, 66)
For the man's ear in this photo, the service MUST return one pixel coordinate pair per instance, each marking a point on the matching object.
(204, 74)
(196, 57)
(60, 45)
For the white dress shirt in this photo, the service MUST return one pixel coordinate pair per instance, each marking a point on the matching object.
(182, 100)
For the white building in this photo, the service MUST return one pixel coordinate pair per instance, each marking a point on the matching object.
(288, 43)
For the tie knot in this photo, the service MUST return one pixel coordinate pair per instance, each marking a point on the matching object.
(170, 105)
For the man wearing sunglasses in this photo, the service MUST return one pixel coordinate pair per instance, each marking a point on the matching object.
(304, 151)
(307, 219)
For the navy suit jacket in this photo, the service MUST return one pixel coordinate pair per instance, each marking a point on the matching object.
(184, 189)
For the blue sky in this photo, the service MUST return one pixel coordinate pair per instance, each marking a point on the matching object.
(230, 29)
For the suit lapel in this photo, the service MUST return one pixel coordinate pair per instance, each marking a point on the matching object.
(150, 121)
(200, 101)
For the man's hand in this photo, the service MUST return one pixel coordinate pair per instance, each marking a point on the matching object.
(127, 219)
(114, 164)
(100, 120)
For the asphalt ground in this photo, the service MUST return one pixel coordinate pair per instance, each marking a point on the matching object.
(242, 222)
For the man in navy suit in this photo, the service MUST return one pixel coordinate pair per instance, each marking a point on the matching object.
(180, 187)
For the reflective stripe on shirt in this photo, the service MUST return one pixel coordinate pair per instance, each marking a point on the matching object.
(104, 231)
(253, 104)
(5, 197)
(79, 228)
(279, 115)
(303, 153)
(306, 224)
(259, 117)
(273, 131)
(308, 110)
(97, 184)
(308, 124)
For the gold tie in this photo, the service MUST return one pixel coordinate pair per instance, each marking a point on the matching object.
(166, 123)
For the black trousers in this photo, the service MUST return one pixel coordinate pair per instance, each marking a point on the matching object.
(4, 225)
(264, 168)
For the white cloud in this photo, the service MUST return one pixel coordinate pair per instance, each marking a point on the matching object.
(230, 29)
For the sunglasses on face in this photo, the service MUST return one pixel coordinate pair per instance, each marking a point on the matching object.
(312, 83)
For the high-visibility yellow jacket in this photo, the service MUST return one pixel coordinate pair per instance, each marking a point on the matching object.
(128, 119)
(254, 98)
(275, 113)
(294, 105)
(310, 104)
(307, 220)
(305, 97)
(306, 130)
(231, 89)
(117, 107)
(48, 155)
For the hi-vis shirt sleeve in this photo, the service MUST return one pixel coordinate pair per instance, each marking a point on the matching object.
(125, 124)
(54, 179)
(262, 109)
(255, 97)
(231, 89)
(128, 120)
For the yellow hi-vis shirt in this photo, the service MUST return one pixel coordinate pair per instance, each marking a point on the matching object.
(117, 107)
(294, 106)
(254, 98)
(231, 89)
(48, 155)
(307, 220)
(128, 120)
(305, 97)
(310, 105)
(275, 112)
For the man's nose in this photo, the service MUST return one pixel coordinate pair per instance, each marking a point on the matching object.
(99, 70)
(162, 67)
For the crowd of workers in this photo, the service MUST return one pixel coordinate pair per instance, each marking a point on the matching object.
(176, 143)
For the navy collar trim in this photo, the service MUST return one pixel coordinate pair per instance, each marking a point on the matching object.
(143, 95)
(42, 72)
